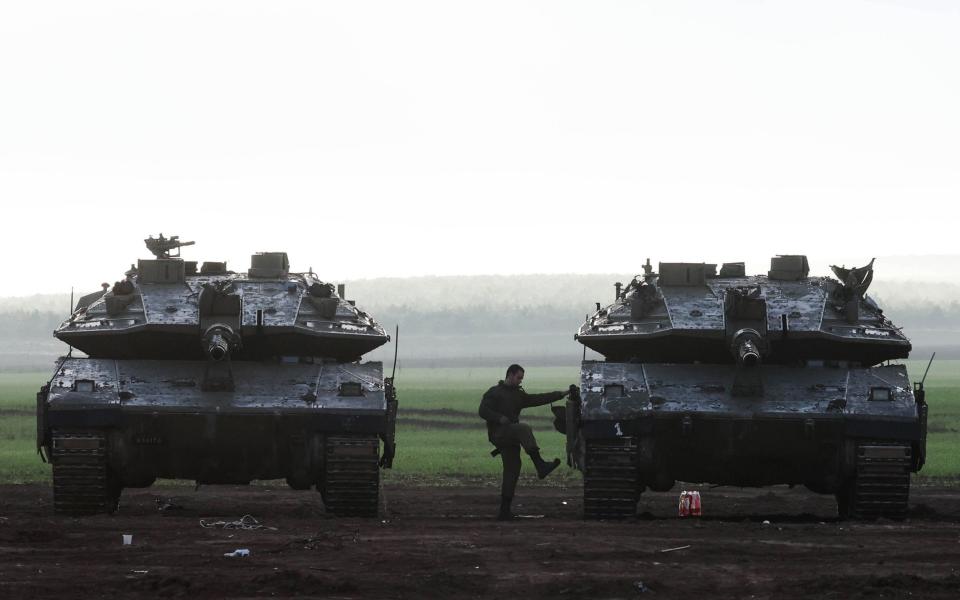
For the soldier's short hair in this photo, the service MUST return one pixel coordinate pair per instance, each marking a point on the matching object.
(513, 369)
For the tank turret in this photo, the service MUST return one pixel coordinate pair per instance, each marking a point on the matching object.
(690, 313)
(164, 309)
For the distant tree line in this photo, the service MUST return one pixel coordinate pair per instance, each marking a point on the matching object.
(479, 320)
(926, 315)
(30, 325)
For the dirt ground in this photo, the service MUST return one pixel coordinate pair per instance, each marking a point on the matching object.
(441, 542)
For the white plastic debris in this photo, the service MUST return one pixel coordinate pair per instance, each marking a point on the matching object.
(237, 552)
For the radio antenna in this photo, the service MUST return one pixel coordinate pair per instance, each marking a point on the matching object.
(585, 318)
(69, 347)
(928, 369)
(396, 347)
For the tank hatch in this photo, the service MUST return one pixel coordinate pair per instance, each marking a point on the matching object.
(789, 267)
(269, 265)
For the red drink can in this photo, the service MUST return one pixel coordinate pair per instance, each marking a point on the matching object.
(689, 505)
(683, 508)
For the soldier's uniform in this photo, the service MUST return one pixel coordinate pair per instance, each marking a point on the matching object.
(500, 408)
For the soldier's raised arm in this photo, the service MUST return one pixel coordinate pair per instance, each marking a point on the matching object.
(530, 400)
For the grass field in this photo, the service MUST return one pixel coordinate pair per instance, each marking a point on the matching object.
(440, 436)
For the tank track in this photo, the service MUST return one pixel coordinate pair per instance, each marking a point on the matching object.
(611, 482)
(351, 479)
(881, 486)
(82, 484)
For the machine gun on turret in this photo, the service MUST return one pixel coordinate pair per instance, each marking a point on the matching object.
(161, 246)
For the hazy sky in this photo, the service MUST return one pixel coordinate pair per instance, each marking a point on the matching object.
(405, 138)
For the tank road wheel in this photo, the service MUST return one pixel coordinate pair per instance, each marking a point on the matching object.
(881, 484)
(351, 477)
(611, 482)
(82, 482)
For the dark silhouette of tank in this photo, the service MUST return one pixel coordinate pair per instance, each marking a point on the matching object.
(218, 377)
(723, 378)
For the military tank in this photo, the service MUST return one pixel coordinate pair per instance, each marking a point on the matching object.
(219, 377)
(714, 376)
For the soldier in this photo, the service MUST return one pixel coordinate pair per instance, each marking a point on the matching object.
(500, 408)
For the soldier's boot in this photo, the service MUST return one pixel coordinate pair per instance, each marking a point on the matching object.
(505, 513)
(544, 468)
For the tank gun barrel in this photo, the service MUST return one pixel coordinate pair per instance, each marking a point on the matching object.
(219, 341)
(217, 348)
(747, 353)
(748, 347)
